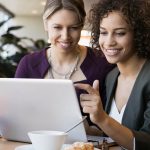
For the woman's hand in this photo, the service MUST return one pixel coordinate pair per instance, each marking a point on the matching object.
(91, 102)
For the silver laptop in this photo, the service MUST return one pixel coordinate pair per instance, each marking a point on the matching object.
(39, 104)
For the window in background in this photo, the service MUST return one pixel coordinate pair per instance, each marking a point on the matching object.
(85, 38)
(5, 15)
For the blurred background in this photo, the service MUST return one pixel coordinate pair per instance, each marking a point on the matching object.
(22, 31)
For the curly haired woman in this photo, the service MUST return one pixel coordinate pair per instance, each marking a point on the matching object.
(121, 30)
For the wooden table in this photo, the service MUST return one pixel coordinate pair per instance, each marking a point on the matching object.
(10, 145)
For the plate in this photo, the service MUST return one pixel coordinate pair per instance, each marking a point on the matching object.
(25, 147)
(30, 147)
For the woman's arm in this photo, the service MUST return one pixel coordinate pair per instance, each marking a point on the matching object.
(91, 103)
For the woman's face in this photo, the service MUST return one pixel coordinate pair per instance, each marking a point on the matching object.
(116, 38)
(64, 29)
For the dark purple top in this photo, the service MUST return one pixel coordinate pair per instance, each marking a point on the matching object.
(94, 67)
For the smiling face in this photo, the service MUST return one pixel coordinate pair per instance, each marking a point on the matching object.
(116, 38)
(64, 30)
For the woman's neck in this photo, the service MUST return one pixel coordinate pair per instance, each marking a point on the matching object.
(64, 65)
(132, 67)
(63, 57)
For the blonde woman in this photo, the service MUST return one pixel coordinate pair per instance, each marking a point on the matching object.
(65, 58)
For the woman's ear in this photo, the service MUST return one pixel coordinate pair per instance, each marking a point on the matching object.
(45, 24)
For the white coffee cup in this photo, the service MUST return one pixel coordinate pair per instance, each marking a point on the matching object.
(47, 140)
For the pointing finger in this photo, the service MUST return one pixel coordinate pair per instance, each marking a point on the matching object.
(88, 88)
(96, 85)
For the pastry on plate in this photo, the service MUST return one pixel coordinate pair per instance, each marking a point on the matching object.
(80, 146)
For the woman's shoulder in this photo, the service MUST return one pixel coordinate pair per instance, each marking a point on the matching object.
(94, 55)
(144, 74)
(27, 65)
(34, 56)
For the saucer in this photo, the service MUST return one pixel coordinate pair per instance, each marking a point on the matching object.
(30, 147)
(25, 147)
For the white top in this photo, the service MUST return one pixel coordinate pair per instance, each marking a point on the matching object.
(115, 114)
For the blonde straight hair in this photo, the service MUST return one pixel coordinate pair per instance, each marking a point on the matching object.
(74, 5)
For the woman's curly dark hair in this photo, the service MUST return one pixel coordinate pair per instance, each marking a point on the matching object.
(137, 13)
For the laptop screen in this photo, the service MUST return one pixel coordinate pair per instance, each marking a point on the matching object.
(39, 104)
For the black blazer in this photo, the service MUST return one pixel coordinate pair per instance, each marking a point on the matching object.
(137, 113)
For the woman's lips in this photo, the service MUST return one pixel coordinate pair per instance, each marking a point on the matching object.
(65, 44)
(112, 52)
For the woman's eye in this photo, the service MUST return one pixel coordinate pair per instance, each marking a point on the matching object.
(103, 32)
(121, 33)
(74, 28)
(57, 27)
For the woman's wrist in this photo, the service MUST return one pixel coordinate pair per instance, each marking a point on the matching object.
(103, 119)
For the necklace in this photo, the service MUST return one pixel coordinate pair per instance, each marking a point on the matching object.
(53, 72)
